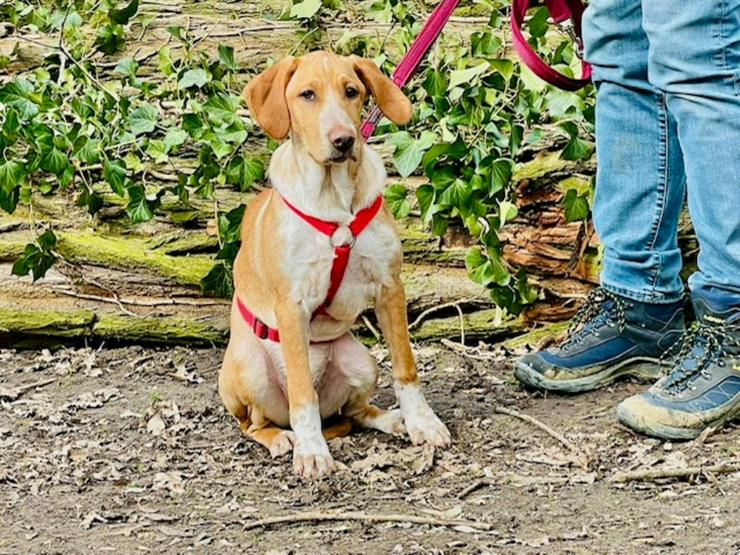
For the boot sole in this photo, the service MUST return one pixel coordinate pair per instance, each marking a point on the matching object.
(640, 368)
(669, 432)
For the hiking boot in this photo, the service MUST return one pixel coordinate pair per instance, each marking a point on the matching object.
(610, 337)
(702, 389)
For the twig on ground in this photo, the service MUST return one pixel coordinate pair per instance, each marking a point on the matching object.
(366, 517)
(687, 472)
(12, 393)
(475, 486)
(372, 328)
(436, 308)
(462, 324)
(537, 423)
(468, 352)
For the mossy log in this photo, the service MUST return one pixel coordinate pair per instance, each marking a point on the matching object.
(22, 328)
(482, 325)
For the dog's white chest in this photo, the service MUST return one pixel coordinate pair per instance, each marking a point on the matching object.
(310, 256)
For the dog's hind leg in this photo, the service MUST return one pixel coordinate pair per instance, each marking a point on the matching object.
(340, 428)
(236, 397)
(277, 440)
(361, 373)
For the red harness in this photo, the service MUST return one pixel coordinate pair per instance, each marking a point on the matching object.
(338, 268)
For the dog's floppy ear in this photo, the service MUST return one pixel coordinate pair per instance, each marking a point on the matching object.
(265, 96)
(390, 99)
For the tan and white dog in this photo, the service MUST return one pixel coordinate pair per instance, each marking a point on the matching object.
(280, 392)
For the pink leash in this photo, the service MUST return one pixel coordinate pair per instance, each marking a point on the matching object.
(560, 10)
(411, 61)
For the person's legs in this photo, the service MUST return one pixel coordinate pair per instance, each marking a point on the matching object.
(639, 195)
(695, 62)
(640, 178)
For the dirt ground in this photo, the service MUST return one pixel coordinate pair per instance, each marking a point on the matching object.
(129, 450)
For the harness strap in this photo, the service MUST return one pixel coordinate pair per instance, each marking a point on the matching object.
(560, 10)
(338, 268)
(260, 329)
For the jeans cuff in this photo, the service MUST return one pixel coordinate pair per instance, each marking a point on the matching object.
(650, 297)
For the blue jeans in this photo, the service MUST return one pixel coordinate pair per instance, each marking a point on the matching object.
(667, 123)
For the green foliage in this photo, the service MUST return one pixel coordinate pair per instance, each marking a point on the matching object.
(478, 114)
(75, 130)
(37, 257)
(473, 109)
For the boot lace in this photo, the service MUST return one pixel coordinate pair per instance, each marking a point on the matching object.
(701, 345)
(593, 312)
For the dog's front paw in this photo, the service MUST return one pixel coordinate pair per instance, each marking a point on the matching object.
(426, 427)
(422, 425)
(311, 459)
(282, 444)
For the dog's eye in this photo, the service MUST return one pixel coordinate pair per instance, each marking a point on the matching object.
(308, 95)
(351, 92)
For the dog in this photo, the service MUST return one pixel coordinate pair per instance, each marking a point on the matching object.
(292, 361)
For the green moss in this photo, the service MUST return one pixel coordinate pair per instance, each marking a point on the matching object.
(477, 325)
(537, 336)
(76, 323)
(170, 329)
(541, 166)
(127, 253)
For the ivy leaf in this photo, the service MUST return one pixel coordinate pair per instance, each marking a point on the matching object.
(409, 151)
(244, 171)
(426, 196)
(501, 275)
(576, 206)
(507, 211)
(124, 15)
(305, 9)
(457, 194)
(89, 153)
(166, 64)
(466, 76)
(174, 138)
(139, 208)
(143, 119)
(538, 24)
(157, 150)
(115, 174)
(396, 198)
(194, 78)
(127, 66)
(110, 38)
(229, 229)
(55, 161)
(577, 149)
(37, 258)
(222, 109)
(11, 173)
(226, 57)
(9, 200)
(18, 95)
(12, 124)
(501, 172)
(219, 281)
(504, 67)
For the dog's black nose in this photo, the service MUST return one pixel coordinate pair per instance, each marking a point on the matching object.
(343, 143)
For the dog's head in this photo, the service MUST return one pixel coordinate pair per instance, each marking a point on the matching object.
(318, 100)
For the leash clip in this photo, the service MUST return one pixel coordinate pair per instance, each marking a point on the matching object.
(577, 40)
